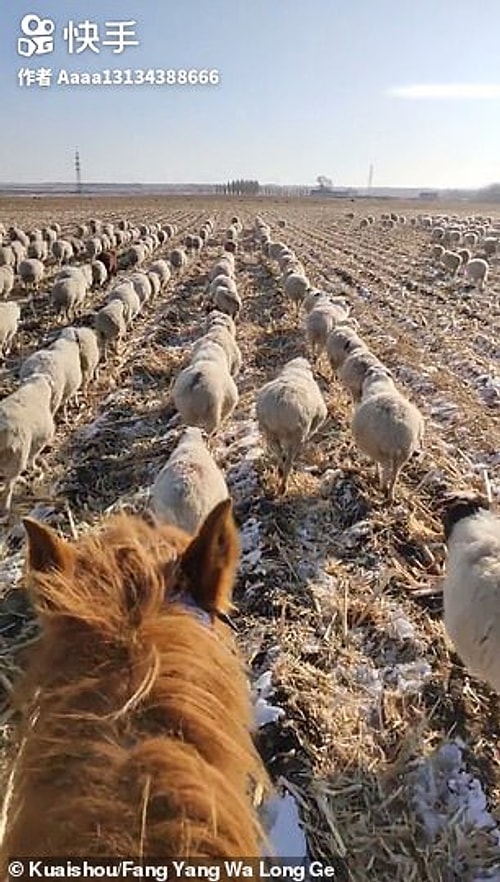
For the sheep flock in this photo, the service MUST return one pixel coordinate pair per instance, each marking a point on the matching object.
(334, 369)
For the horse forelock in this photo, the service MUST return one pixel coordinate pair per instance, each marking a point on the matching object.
(128, 566)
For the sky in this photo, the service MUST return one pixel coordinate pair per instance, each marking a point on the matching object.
(305, 88)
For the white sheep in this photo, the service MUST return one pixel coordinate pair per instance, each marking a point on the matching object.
(19, 252)
(142, 286)
(223, 267)
(136, 255)
(6, 280)
(49, 236)
(62, 251)
(451, 262)
(464, 255)
(296, 287)
(38, 250)
(189, 485)
(31, 272)
(221, 319)
(205, 394)
(178, 258)
(87, 273)
(222, 281)
(476, 271)
(99, 274)
(387, 427)
(341, 343)
(209, 350)
(88, 345)
(227, 301)
(68, 295)
(18, 235)
(276, 249)
(10, 313)
(471, 589)
(125, 292)
(69, 353)
(470, 240)
(290, 409)
(438, 251)
(49, 363)
(223, 338)
(312, 298)
(155, 283)
(320, 321)
(490, 245)
(7, 256)
(83, 273)
(93, 247)
(110, 326)
(162, 270)
(26, 427)
(353, 370)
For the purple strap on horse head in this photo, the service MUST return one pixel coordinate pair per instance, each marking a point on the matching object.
(205, 617)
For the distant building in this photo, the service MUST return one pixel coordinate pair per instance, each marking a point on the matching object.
(428, 194)
(344, 193)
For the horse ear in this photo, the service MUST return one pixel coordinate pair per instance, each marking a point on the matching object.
(46, 550)
(211, 559)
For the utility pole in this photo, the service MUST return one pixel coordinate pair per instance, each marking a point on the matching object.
(370, 178)
(78, 171)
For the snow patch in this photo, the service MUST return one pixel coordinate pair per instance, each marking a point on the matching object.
(447, 795)
(264, 712)
(285, 833)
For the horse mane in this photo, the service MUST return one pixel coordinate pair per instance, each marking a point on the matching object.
(134, 737)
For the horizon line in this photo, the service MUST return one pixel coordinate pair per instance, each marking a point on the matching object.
(360, 187)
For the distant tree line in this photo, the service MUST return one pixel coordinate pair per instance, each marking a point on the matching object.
(490, 193)
(238, 188)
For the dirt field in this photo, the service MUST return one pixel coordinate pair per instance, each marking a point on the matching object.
(386, 743)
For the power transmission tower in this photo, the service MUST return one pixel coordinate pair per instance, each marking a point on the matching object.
(78, 171)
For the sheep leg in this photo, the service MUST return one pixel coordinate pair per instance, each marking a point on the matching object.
(288, 461)
(283, 481)
(394, 472)
(64, 414)
(6, 498)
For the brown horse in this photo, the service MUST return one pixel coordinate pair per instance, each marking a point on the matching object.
(134, 739)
